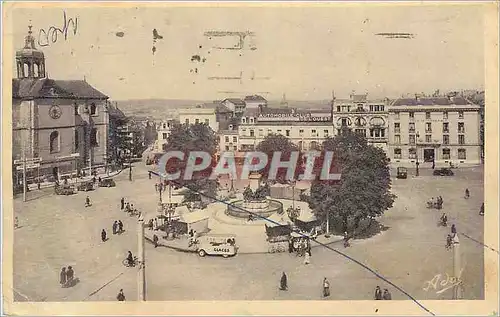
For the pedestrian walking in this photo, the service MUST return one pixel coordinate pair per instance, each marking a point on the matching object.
(120, 297)
(70, 274)
(378, 293)
(103, 235)
(284, 282)
(387, 295)
(453, 230)
(155, 240)
(127, 207)
(433, 164)
(62, 277)
(115, 227)
(156, 187)
(87, 202)
(122, 203)
(155, 224)
(307, 258)
(326, 288)
(467, 193)
(481, 210)
(16, 222)
(120, 226)
(99, 179)
(149, 173)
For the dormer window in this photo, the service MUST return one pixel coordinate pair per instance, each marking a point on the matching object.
(251, 120)
(243, 120)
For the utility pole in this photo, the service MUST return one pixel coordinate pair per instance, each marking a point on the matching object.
(416, 149)
(130, 166)
(457, 270)
(141, 273)
(25, 186)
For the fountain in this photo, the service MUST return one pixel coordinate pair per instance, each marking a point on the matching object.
(255, 200)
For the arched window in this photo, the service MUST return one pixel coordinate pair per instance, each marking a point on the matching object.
(54, 142)
(36, 71)
(94, 137)
(26, 70)
(314, 145)
(93, 109)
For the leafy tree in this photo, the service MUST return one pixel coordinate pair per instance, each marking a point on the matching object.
(187, 138)
(363, 191)
(274, 143)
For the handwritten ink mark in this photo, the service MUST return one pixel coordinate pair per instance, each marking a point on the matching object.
(45, 38)
(445, 283)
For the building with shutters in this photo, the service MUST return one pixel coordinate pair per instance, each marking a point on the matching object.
(442, 129)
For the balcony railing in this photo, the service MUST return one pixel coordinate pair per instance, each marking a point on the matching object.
(411, 130)
(397, 130)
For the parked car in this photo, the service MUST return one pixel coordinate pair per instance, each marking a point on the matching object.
(86, 186)
(107, 182)
(443, 172)
(402, 172)
(217, 244)
(64, 190)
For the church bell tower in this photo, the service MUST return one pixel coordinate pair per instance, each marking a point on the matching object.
(29, 60)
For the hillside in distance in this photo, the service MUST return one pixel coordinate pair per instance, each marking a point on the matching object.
(168, 108)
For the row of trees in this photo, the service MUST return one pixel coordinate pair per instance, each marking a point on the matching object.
(363, 191)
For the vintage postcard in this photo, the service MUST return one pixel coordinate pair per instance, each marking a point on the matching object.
(250, 158)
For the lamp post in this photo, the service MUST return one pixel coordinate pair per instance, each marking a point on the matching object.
(416, 152)
(457, 270)
(130, 166)
(141, 273)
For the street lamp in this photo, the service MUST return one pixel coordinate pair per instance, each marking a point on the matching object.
(416, 152)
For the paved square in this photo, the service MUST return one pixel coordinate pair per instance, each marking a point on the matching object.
(58, 231)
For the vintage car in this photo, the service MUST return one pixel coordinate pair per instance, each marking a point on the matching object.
(107, 182)
(402, 173)
(86, 186)
(443, 172)
(64, 190)
(223, 244)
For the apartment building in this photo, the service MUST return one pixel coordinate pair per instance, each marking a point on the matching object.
(440, 129)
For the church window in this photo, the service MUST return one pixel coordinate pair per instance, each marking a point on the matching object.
(54, 142)
(94, 137)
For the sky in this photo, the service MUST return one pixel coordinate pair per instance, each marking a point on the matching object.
(302, 52)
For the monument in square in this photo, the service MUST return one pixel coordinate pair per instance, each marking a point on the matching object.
(255, 200)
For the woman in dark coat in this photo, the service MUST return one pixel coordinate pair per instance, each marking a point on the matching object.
(378, 293)
(103, 235)
(283, 282)
(62, 277)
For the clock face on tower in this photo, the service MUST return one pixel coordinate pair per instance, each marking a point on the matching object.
(55, 112)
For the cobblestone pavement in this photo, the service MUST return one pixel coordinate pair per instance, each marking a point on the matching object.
(58, 231)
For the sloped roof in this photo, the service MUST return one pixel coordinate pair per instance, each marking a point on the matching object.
(50, 88)
(432, 101)
(255, 98)
(236, 101)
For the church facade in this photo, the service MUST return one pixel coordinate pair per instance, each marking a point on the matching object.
(61, 123)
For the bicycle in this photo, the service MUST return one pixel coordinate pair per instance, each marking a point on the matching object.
(126, 263)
